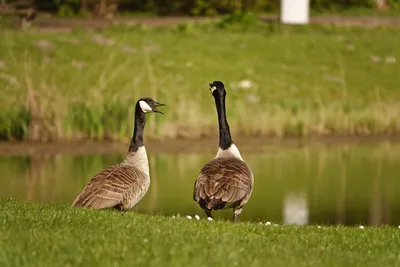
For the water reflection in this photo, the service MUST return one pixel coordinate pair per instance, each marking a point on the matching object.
(296, 209)
(317, 184)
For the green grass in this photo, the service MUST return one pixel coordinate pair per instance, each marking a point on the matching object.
(55, 235)
(305, 81)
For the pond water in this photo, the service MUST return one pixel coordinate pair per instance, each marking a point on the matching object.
(314, 184)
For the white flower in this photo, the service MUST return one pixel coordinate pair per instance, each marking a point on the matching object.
(245, 84)
(197, 217)
(361, 227)
(209, 218)
(399, 226)
(319, 227)
(173, 216)
(268, 223)
(260, 223)
(390, 59)
(189, 217)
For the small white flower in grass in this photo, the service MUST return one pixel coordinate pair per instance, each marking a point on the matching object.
(260, 223)
(399, 226)
(268, 223)
(319, 227)
(189, 217)
(197, 217)
(209, 218)
(173, 216)
(245, 84)
(361, 227)
(145, 240)
(390, 59)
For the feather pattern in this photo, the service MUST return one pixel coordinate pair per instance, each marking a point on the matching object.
(223, 180)
(121, 186)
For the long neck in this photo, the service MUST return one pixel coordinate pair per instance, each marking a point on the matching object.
(140, 121)
(225, 139)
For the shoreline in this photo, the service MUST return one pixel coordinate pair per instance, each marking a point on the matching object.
(185, 146)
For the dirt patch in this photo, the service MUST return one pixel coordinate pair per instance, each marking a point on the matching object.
(246, 145)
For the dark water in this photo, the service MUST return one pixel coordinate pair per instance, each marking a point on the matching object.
(339, 184)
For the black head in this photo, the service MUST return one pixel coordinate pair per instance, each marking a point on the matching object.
(217, 88)
(147, 104)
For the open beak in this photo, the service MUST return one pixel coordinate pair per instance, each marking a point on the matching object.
(158, 105)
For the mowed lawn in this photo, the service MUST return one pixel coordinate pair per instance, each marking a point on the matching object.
(281, 81)
(57, 235)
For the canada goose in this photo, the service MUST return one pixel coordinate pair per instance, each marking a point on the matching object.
(123, 185)
(226, 181)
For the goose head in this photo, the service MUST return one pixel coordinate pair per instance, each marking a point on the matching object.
(147, 104)
(217, 88)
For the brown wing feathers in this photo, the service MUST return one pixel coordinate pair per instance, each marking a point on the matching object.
(108, 188)
(222, 180)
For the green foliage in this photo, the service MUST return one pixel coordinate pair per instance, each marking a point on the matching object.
(394, 4)
(341, 4)
(66, 11)
(203, 7)
(241, 20)
(14, 124)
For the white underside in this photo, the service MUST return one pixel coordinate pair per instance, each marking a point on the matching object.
(232, 151)
(138, 160)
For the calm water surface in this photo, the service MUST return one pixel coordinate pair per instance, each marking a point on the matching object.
(337, 184)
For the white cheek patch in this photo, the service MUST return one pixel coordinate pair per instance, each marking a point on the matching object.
(213, 89)
(145, 107)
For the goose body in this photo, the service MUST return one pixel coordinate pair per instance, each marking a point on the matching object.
(123, 185)
(226, 181)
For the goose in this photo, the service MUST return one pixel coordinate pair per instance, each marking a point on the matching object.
(226, 181)
(123, 185)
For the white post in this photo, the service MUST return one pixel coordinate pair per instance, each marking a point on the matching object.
(295, 11)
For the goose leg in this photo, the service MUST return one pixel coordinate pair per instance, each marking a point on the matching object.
(236, 213)
(208, 212)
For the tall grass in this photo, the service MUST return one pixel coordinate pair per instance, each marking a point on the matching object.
(281, 81)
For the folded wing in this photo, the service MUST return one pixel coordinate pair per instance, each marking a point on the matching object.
(223, 180)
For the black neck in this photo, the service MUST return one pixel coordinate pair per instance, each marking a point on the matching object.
(140, 121)
(225, 139)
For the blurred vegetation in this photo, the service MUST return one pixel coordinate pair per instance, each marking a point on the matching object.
(193, 7)
(282, 81)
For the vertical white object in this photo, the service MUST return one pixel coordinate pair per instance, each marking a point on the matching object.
(295, 11)
(296, 209)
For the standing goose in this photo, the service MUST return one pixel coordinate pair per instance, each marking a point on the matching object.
(226, 181)
(123, 185)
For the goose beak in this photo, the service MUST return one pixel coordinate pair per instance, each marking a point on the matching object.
(210, 84)
(158, 105)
